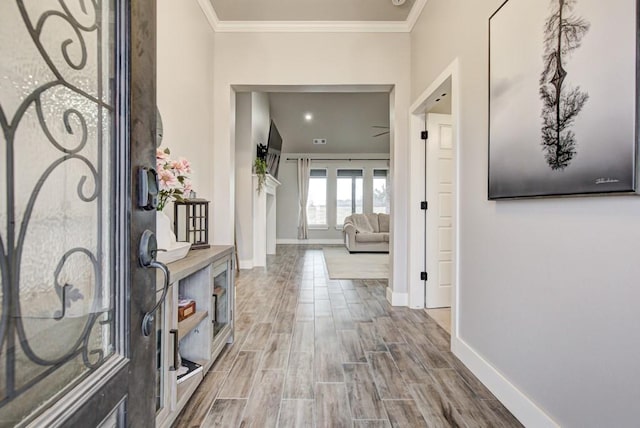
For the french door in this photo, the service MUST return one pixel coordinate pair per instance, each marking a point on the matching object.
(77, 115)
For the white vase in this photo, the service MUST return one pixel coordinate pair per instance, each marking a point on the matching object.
(165, 237)
(167, 241)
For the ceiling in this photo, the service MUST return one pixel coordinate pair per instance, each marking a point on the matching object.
(345, 120)
(311, 10)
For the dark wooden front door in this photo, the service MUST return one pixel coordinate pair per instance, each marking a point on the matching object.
(77, 116)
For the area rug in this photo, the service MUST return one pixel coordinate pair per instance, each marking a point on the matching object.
(343, 265)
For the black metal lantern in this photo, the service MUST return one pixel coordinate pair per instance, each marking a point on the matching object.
(191, 222)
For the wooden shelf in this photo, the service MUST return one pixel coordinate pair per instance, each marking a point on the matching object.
(185, 326)
(219, 291)
(203, 363)
(186, 388)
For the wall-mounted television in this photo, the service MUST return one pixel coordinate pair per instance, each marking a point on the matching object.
(274, 149)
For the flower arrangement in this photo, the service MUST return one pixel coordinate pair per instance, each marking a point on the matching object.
(173, 178)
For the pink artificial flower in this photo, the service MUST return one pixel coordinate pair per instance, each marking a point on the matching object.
(168, 181)
(186, 191)
(160, 165)
(186, 166)
(181, 166)
(172, 178)
(161, 155)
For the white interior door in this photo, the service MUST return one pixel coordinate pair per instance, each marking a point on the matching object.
(439, 175)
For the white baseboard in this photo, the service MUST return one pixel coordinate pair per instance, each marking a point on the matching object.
(310, 241)
(397, 299)
(246, 264)
(525, 410)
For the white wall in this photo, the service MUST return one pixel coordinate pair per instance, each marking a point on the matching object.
(287, 196)
(245, 153)
(185, 95)
(310, 59)
(548, 289)
(260, 118)
(252, 127)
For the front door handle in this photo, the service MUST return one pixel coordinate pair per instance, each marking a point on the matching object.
(147, 257)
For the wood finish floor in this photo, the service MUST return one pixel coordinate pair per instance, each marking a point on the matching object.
(315, 352)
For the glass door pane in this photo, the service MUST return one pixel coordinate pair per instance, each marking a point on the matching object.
(56, 218)
(344, 199)
(317, 199)
(359, 195)
(220, 298)
(380, 191)
(349, 193)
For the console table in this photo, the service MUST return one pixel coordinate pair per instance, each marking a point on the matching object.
(205, 276)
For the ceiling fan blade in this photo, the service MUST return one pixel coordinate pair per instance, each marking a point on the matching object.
(382, 127)
(382, 133)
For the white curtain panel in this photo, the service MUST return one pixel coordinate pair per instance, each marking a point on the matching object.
(304, 169)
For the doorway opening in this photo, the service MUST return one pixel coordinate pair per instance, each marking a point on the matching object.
(436, 161)
(351, 158)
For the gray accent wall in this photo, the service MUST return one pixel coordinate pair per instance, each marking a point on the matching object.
(548, 288)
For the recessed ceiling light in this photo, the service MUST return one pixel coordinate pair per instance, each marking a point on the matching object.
(308, 117)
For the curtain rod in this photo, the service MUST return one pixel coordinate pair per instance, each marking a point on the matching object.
(340, 159)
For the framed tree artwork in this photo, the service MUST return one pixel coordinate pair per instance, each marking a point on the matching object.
(563, 98)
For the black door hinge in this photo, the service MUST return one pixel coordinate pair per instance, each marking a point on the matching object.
(423, 276)
(424, 135)
(424, 205)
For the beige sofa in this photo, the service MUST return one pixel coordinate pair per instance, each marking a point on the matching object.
(366, 233)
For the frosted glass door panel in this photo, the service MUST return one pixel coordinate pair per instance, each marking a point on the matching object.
(56, 228)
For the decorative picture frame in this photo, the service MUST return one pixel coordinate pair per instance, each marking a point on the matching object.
(563, 98)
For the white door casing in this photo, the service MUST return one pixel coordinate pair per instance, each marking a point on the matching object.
(448, 79)
(439, 189)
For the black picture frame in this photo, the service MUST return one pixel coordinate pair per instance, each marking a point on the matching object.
(563, 99)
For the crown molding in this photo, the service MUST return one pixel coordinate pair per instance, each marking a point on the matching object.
(416, 10)
(209, 13)
(311, 26)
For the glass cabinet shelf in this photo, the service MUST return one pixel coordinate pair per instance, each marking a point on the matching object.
(186, 325)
